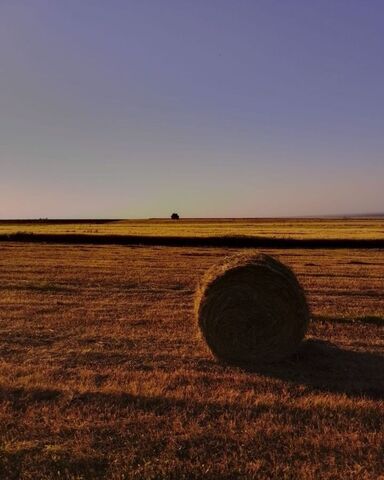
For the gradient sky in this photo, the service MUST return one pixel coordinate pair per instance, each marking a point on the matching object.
(211, 108)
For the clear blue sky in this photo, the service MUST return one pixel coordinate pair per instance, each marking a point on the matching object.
(137, 108)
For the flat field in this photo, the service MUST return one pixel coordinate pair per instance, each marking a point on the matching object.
(309, 228)
(103, 374)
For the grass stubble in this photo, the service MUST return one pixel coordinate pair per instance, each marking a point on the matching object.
(358, 228)
(102, 374)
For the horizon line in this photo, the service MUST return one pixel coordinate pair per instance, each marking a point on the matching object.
(116, 219)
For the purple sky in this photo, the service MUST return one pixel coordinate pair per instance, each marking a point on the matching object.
(137, 108)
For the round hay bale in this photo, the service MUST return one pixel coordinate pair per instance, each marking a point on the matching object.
(251, 309)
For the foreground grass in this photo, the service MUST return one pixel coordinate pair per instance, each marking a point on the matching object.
(341, 228)
(102, 374)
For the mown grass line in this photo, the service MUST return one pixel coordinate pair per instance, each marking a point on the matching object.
(231, 241)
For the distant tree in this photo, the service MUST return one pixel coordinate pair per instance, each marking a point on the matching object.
(175, 216)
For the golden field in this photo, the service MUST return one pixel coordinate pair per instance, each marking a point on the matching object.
(341, 228)
(103, 375)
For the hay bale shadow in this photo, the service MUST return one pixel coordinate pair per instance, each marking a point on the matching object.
(323, 366)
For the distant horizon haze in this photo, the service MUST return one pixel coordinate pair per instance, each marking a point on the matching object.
(213, 109)
(115, 219)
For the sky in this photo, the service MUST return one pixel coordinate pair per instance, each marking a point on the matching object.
(210, 108)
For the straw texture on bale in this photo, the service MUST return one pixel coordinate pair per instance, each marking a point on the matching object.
(251, 309)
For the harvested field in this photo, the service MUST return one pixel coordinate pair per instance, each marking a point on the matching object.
(292, 228)
(102, 374)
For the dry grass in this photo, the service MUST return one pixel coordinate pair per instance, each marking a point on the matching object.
(358, 228)
(101, 375)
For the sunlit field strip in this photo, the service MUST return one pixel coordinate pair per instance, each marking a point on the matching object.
(358, 228)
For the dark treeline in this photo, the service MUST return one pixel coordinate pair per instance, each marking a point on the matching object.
(59, 221)
(224, 241)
